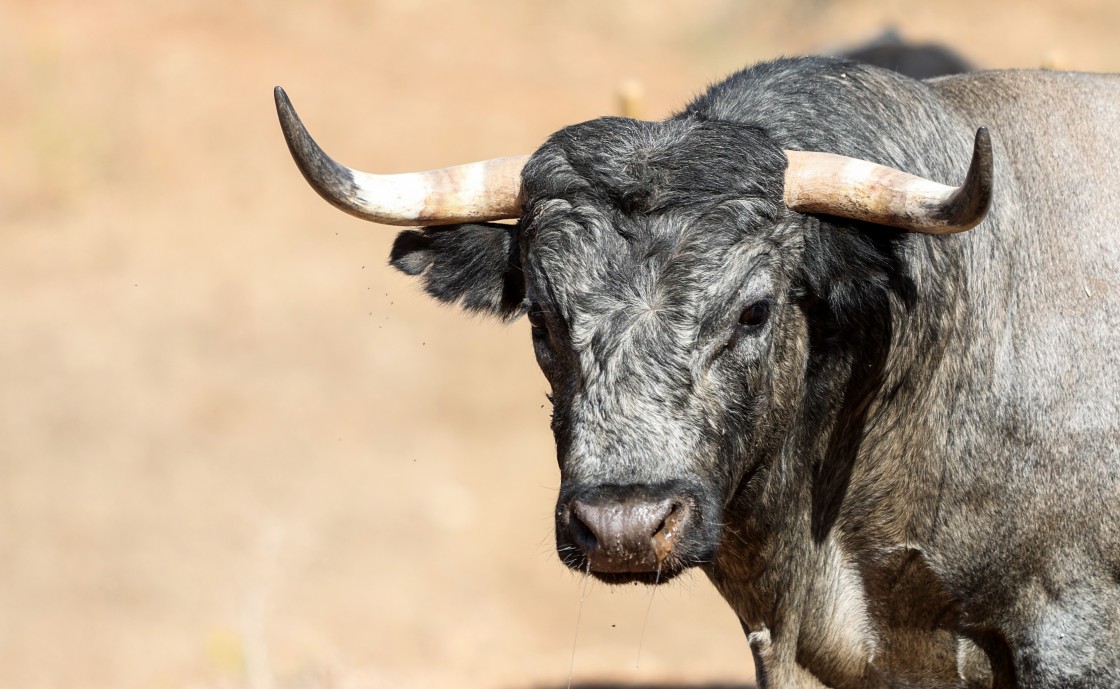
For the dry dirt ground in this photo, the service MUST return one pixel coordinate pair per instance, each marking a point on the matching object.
(235, 448)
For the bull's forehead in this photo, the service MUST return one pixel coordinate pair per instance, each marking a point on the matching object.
(645, 314)
(640, 216)
(647, 293)
(641, 235)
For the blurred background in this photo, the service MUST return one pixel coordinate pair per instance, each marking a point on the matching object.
(236, 449)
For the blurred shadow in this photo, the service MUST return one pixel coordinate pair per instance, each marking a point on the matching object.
(917, 60)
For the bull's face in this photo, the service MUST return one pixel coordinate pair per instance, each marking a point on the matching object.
(676, 306)
(660, 291)
(679, 302)
(658, 270)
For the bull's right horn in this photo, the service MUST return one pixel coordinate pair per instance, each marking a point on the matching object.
(476, 192)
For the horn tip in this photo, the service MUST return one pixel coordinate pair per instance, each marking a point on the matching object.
(983, 143)
(281, 98)
(973, 199)
(332, 181)
(284, 107)
(982, 159)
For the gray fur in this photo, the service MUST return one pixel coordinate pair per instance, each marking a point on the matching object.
(909, 475)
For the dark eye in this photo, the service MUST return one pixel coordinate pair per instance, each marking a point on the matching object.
(536, 320)
(755, 315)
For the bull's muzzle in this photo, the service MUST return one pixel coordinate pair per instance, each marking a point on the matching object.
(623, 530)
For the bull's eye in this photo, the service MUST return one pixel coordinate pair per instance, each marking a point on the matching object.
(536, 321)
(755, 315)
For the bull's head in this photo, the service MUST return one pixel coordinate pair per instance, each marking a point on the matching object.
(665, 271)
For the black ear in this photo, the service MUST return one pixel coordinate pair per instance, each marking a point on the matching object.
(476, 265)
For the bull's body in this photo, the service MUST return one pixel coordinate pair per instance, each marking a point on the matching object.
(984, 504)
(901, 464)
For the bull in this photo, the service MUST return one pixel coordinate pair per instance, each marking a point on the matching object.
(843, 340)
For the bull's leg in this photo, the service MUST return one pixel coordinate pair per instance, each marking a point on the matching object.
(774, 669)
(1072, 641)
(776, 666)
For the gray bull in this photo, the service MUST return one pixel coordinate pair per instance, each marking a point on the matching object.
(892, 445)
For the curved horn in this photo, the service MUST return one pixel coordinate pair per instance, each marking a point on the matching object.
(487, 190)
(850, 188)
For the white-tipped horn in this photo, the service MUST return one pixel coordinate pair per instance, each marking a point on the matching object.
(476, 192)
(859, 190)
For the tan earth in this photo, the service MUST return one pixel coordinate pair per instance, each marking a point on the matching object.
(236, 449)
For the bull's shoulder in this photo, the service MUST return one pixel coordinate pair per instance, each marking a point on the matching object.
(1031, 94)
(1056, 137)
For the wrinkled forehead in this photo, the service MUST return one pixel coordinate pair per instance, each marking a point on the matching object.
(647, 211)
(634, 167)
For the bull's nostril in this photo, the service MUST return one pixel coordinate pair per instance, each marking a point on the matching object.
(670, 515)
(583, 536)
(665, 537)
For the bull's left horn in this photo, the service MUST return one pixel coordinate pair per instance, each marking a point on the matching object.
(859, 190)
(486, 190)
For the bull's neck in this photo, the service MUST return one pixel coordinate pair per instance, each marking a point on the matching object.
(871, 461)
(858, 463)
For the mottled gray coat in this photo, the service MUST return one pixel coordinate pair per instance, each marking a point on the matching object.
(908, 473)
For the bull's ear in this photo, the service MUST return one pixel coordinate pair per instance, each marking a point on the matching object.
(477, 265)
